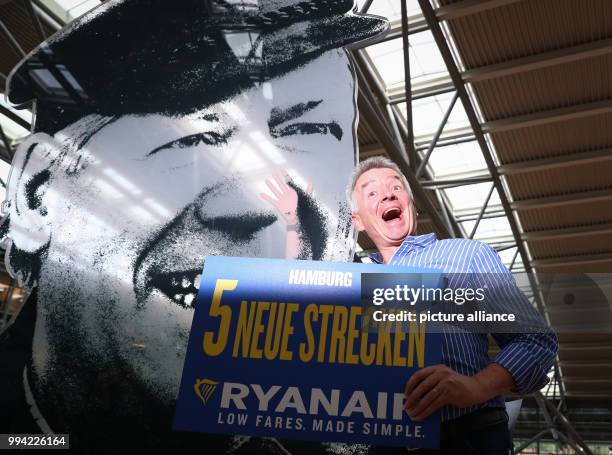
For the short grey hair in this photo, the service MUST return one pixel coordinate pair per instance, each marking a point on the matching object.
(375, 162)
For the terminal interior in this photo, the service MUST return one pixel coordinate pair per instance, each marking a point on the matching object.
(500, 115)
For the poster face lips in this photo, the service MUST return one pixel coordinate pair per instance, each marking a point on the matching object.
(289, 349)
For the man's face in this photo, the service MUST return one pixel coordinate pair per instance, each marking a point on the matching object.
(385, 209)
(157, 194)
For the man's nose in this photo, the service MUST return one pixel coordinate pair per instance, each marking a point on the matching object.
(389, 195)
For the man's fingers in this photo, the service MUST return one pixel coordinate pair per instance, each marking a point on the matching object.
(414, 380)
(281, 184)
(421, 390)
(309, 189)
(433, 407)
(415, 407)
(273, 188)
(417, 377)
(267, 198)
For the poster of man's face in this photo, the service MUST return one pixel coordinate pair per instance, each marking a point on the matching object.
(163, 134)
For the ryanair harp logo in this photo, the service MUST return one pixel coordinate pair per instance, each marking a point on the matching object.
(204, 388)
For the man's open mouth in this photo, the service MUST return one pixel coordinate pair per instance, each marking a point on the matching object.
(180, 287)
(391, 214)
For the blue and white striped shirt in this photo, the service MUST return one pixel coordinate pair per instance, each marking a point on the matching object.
(528, 357)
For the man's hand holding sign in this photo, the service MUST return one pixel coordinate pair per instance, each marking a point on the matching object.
(433, 387)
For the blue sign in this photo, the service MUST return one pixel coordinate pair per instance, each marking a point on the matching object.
(291, 349)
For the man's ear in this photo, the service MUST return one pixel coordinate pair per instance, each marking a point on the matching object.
(356, 220)
(27, 192)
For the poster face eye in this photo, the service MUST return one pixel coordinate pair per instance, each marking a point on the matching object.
(192, 140)
(311, 128)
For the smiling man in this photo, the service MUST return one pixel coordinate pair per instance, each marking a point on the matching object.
(157, 126)
(467, 388)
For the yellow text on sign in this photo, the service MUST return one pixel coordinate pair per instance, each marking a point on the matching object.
(331, 333)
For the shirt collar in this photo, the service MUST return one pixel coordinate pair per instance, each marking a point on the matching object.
(409, 243)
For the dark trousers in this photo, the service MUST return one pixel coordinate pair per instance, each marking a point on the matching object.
(483, 432)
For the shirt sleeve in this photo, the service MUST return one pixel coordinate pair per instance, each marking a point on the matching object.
(529, 351)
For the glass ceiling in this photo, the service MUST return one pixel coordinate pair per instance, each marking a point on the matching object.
(15, 133)
(391, 9)
(68, 10)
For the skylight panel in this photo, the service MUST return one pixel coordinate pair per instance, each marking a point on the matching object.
(491, 230)
(428, 114)
(457, 161)
(14, 132)
(388, 58)
(471, 197)
(391, 9)
(426, 63)
(67, 10)
(425, 59)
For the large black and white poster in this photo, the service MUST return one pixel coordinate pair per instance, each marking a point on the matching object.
(165, 132)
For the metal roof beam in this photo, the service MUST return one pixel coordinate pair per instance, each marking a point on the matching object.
(12, 41)
(563, 233)
(35, 20)
(487, 215)
(450, 183)
(6, 143)
(565, 199)
(469, 7)
(372, 78)
(438, 86)
(416, 24)
(407, 121)
(549, 116)
(51, 23)
(572, 260)
(366, 151)
(461, 214)
(15, 118)
(48, 12)
(446, 143)
(4, 155)
(570, 159)
(448, 137)
(538, 61)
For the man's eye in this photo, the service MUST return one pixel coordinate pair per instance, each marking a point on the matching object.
(397, 188)
(208, 138)
(372, 193)
(310, 128)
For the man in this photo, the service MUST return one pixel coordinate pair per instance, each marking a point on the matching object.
(157, 126)
(467, 388)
